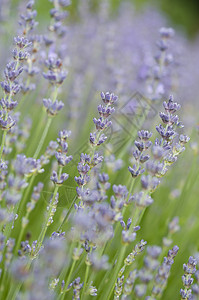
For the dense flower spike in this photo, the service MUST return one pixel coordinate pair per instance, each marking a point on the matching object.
(88, 162)
(55, 74)
(60, 155)
(53, 108)
(139, 248)
(155, 75)
(189, 270)
(139, 155)
(97, 138)
(27, 21)
(10, 86)
(145, 274)
(58, 15)
(163, 272)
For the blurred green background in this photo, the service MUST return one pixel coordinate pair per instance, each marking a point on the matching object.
(182, 13)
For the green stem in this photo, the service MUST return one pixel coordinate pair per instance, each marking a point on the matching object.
(19, 240)
(67, 214)
(68, 280)
(104, 280)
(9, 225)
(3, 143)
(7, 234)
(138, 214)
(45, 132)
(37, 130)
(64, 270)
(23, 201)
(188, 185)
(21, 233)
(137, 217)
(2, 284)
(13, 291)
(118, 226)
(42, 140)
(45, 227)
(111, 284)
(21, 103)
(4, 133)
(85, 279)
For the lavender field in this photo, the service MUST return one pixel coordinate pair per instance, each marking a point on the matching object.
(99, 165)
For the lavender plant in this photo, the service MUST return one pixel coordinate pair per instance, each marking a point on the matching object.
(81, 217)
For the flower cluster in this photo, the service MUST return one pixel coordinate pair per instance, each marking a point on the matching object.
(158, 76)
(55, 73)
(163, 273)
(27, 19)
(58, 15)
(87, 162)
(139, 154)
(10, 85)
(145, 275)
(97, 138)
(189, 270)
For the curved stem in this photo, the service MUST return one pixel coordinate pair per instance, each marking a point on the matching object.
(111, 284)
(45, 227)
(68, 280)
(21, 233)
(68, 213)
(3, 143)
(42, 140)
(85, 279)
(4, 133)
(23, 201)
(45, 132)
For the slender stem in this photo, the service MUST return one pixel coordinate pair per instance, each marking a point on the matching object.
(45, 227)
(42, 140)
(64, 270)
(68, 213)
(129, 194)
(3, 143)
(19, 240)
(138, 213)
(133, 131)
(45, 132)
(68, 279)
(2, 284)
(4, 133)
(118, 226)
(9, 225)
(37, 130)
(18, 108)
(7, 233)
(85, 279)
(104, 280)
(111, 284)
(190, 180)
(137, 217)
(13, 291)
(21, 233)
(23, 201)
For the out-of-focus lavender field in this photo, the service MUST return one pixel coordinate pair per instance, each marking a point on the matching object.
(98, 153)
